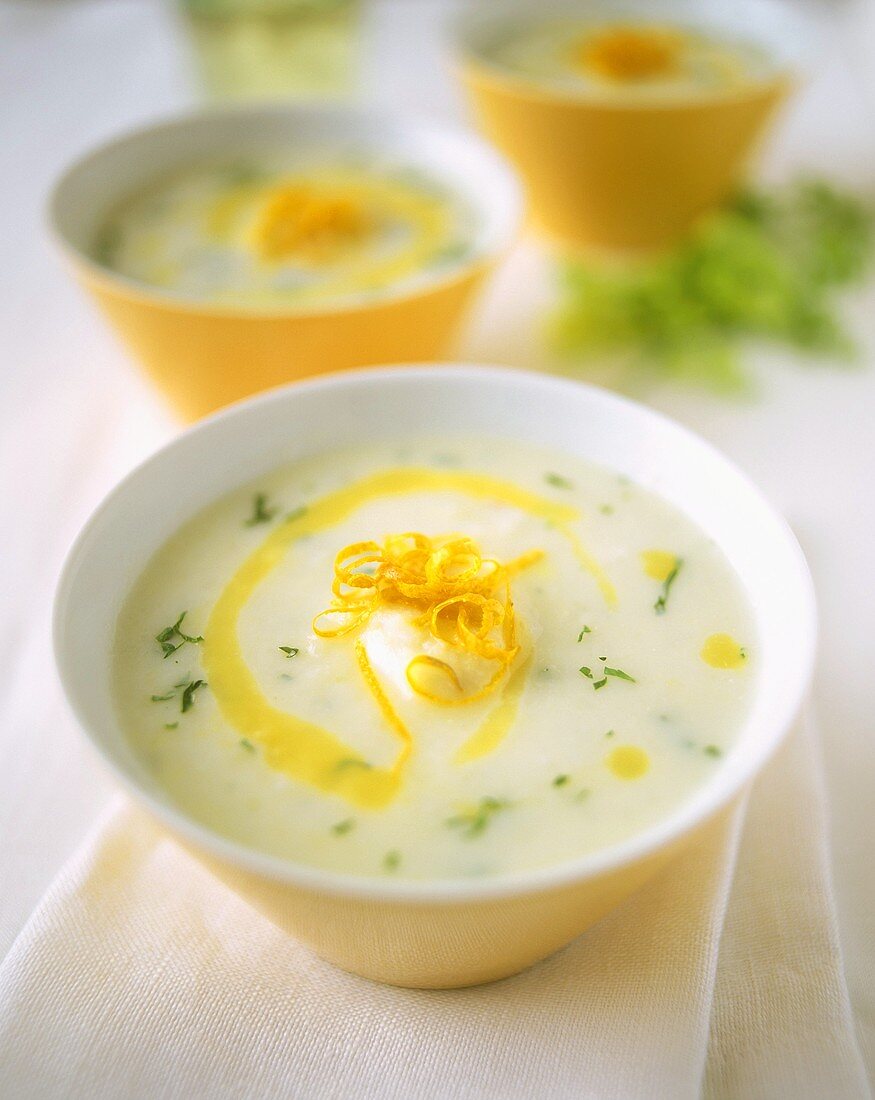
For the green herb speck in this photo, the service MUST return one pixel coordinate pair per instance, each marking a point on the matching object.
(586, 671)
(561, 780)
(557, 481)
(620, 674)
(188, 694)
(659, 606)
(391, 860)
(473, 822)
(289, 650)
(261, 511)
(585, 630)
(245, 743)
(712, 750)
(343, 827)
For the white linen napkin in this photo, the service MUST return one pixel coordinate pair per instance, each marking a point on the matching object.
(139, 975)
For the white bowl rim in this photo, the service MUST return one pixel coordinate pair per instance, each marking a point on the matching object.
(689, 814)
(501, 172)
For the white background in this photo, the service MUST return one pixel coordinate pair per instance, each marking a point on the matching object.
(74, 416)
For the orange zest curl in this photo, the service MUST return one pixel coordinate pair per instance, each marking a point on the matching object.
(630, 53)
(462, 598)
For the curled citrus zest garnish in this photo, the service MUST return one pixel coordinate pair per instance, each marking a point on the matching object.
(630, 53)
(462, 598)
(312, 225)
(383, 702)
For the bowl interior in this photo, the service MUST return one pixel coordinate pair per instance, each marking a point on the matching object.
(771, 24)
(248, 440)
(93, 185)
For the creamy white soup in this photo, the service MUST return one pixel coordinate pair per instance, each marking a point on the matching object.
(281, 231)
(619, 59)
(435, 659)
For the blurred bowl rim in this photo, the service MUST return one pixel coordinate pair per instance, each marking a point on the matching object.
(507, 215)
(702, 804)
(470, 60)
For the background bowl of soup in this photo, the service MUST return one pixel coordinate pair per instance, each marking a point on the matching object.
(235, 250)
(486, 892)
(628, 121)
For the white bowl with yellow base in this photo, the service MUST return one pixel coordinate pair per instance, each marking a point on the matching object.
(202, 354)
(455, 932)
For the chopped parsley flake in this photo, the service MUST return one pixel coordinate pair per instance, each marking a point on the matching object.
(171, 725)
(558, 481)
(245, 743)
(343, 827)
(391, 860)
(659, 606)
(586, 671)
(185, 689)
(473, 822)
(561, 780)
(712, 750)
(188, 694)
(599, 684)
(620, 674)
(289, 650)
(173, 637)
(585, 630)
(606, 509)
(610, 733)
(261, 511)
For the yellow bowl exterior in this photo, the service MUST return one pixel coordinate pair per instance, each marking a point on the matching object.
(630, 175)
(204, 358)
(446, 945)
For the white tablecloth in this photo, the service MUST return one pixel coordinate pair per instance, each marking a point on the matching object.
(74, 416)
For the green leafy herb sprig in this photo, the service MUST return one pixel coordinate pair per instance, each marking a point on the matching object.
(766, 267)
(172, 638)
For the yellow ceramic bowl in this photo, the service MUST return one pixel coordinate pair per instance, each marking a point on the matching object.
(445, 932)
(636, 172)
(203, 356)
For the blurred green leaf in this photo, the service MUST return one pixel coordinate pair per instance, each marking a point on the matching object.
(766, 267)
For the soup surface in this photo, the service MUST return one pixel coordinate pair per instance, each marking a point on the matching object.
(268, 233)
(625, 59)
(434, 660)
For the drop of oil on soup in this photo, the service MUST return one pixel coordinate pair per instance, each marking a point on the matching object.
(268, 233)
(441, 659)
(625, 58)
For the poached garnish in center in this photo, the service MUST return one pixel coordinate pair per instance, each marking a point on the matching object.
(459, 600)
